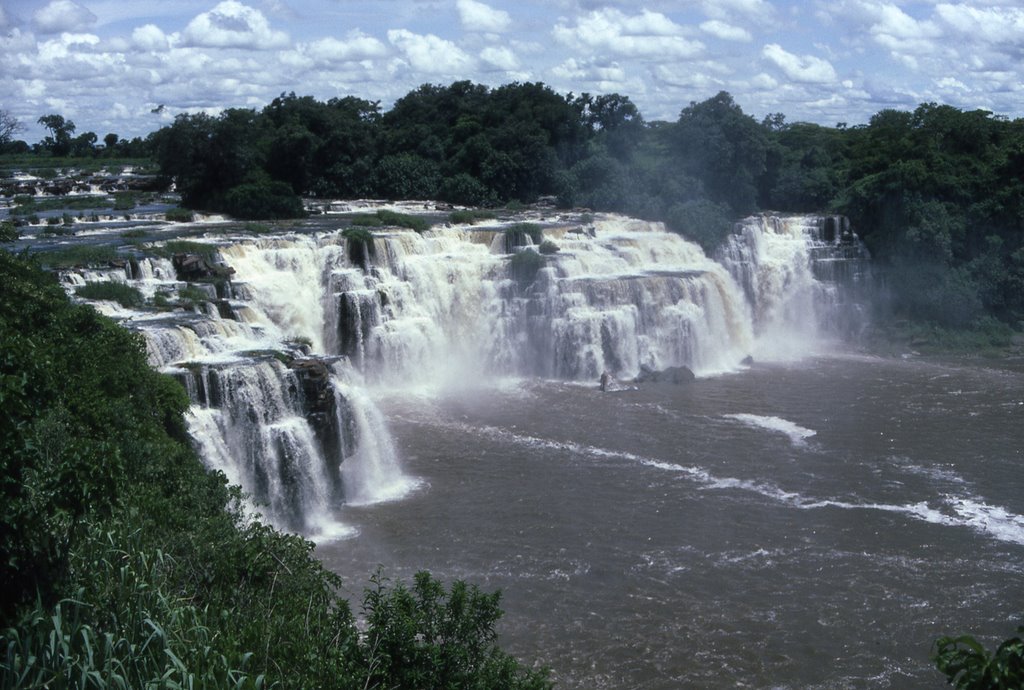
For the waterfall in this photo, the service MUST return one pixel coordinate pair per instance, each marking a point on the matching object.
(280, 362)
(805, 278)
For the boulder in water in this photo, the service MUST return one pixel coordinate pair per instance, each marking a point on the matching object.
(676, 375)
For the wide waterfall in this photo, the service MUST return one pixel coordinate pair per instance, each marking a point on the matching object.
(281, 357)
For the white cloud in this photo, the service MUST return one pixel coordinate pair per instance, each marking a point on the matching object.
(765, 82)
(648, 35)
(430, 54)
(590, 72)
(501, 57)
(991, 25)
(60, 48)
(150, 37)
(233, 25)
(726, 32)
(357, 46)
(62, 15)
(476, 16)
(685, 77)
(800, 68)
(751, 9)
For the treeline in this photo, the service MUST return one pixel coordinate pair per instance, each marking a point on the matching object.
(125, 563)
(937, 193)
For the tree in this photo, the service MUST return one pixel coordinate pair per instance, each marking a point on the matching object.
(59, 141)
(724, 148)
(9, 126)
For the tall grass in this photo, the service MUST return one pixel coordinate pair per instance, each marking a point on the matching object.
(134, 632)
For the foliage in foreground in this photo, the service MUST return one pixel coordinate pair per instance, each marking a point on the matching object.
(125, 563)
(967, 665)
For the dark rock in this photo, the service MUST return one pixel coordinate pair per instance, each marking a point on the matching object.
(747, 361)
(676, 375)
(195, 267)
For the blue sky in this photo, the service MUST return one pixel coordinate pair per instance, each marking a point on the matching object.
(107, 64)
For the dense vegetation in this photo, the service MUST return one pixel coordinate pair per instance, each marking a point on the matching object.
(125, 563)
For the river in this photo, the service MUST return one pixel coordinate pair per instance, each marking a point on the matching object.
(812, 524)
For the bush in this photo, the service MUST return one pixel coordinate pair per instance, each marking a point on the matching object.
(969, 666)
(179, 215)
(704, 222)
(125, 295)
(524, 266)
(466, 190)
(79, 255)
(8, 233)
(548, 247)
(360, 246)
(124, 201)
(367, 221)
(516, 236)
(263, 201)
(191, 295)
(403, 220)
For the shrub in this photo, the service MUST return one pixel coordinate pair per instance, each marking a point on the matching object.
(466, 189)
(8, 233)
(524, 266)
(367, 221)
(969, 666)
(704, 222)
(78, 255)
(125, 295)
(263, 201)
(179, 215)
(191, 295)
(360, 246)
(124, 201)
(548, 247)
(403, 220)
(516, 236)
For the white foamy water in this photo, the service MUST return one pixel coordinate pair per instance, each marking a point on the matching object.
(796, 433)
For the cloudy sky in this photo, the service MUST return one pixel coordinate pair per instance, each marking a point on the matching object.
(109, 64)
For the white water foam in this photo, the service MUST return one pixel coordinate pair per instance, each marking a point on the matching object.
(372, 473)
(797, 434)
(954, 511)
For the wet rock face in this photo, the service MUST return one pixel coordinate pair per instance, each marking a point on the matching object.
(195, 267)
(320, 406)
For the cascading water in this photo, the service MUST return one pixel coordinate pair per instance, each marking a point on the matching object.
(276, 372)
(805, 278)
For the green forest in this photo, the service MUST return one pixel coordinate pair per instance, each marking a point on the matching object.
(937, 194)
